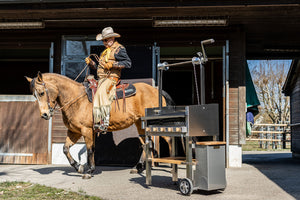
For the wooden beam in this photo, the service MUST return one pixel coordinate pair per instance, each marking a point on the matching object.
(172, 160)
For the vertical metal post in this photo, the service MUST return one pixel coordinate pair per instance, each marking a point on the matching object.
(284, 137)
(63, 56)
(202, 83)
(189, 158)
(51, 58)
(160, 76)
(155, 61)
(154, 64)
(148, 161)
(51, 65)
(174, 166)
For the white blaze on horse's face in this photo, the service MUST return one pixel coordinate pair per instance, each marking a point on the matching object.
(42, 99)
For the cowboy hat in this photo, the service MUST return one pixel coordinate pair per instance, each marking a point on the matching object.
(107, 32)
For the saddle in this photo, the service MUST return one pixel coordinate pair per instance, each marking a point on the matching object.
(123, 91)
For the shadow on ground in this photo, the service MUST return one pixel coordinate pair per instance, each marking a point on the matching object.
(3, 173)
(280, 168)
(166, 182)
(70, 171)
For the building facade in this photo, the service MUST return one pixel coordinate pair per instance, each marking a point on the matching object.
(56, 36)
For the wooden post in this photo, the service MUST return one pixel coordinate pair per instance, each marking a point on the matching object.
(267, 137)
(273, 137)
(261, 137)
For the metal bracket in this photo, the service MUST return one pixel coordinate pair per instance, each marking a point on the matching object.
(163, 66)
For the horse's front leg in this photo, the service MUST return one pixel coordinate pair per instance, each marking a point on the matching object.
(71, 139)
(89, 138)
(169, 142)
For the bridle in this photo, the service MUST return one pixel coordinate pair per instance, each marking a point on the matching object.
(51, 109)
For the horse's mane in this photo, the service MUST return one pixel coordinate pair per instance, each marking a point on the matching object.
(54, 77)
(59, 76)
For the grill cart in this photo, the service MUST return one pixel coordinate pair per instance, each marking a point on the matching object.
(207, 170)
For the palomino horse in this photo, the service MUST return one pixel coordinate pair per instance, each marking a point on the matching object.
(77, 112)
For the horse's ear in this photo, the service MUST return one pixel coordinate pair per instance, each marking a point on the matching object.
(40, 77)
(28, 79)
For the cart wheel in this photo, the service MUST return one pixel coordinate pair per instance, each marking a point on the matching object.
(186, 186)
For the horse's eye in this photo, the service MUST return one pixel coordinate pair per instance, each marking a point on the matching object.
(42, 93)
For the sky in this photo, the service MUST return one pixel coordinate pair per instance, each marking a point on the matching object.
(253, 63)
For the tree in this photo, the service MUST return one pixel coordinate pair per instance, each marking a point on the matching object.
(268, 78)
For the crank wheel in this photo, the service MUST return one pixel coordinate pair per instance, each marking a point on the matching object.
(186, 186)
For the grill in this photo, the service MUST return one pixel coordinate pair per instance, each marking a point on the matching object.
(194, 120)
(188, 121)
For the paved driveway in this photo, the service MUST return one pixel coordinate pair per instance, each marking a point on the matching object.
(263, 176)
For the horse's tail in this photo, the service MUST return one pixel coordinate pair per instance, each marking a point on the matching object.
(168, 98)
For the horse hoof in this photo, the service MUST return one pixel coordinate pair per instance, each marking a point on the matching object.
(134, 171)
(86, 176)
(140, 168)
(81, 169)
(140, 171)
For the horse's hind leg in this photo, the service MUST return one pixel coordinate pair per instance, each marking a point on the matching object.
(139, 167)
(141, 164)
(71, 139)
(169, 142)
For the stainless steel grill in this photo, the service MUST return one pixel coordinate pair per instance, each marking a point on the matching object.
(194, 120)
(188, 121)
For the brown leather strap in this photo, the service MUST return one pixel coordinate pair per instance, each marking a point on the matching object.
(117, 102)
(124, 99)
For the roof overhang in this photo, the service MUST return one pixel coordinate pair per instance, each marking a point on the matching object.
(291, 77)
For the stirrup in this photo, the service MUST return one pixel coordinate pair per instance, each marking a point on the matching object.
(100, 128)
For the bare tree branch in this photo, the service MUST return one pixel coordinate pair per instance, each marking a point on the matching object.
(268, 78)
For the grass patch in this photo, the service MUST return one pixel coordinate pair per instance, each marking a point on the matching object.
(255, 146)
(26, 190)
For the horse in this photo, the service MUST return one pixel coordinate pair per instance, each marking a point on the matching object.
(50, 89)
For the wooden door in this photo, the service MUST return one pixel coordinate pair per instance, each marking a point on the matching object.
(23, 133)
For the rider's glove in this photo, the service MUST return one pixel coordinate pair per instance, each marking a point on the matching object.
(89, 61)
(107, 65)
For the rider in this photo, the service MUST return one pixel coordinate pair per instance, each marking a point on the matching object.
(111, 61)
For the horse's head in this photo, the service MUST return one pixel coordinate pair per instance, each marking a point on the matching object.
(45, 93)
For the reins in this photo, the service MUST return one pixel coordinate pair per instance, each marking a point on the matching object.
(97, 58)
(73, 100)
(66, 104)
